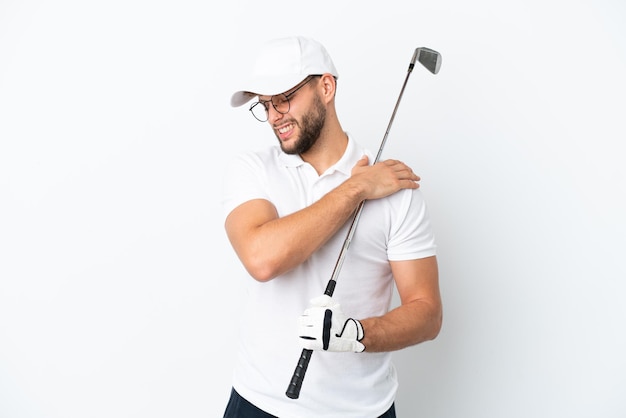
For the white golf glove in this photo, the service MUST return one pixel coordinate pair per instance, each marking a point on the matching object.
(323, 326)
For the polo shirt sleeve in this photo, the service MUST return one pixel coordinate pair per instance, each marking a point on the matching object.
(243, 180)
(412, 236)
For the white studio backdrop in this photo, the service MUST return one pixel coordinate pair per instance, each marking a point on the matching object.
(117, 295)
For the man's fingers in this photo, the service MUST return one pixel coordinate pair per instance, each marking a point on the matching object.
(402, 169)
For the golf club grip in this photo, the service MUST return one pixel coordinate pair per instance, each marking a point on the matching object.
(293, 391)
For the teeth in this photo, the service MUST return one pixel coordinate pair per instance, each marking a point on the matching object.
(285, 129)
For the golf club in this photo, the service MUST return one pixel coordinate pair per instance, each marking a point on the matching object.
(432, 61)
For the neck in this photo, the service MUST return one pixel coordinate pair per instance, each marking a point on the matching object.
(328, 149)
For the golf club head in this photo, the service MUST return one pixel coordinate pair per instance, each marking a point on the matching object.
(428, 58)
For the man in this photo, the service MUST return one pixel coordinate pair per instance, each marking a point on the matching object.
(287, 213)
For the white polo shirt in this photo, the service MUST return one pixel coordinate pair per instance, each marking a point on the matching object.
(397, 227)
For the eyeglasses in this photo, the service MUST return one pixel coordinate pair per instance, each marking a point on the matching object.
(280, 103)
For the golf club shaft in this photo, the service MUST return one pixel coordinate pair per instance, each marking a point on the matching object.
(293, 391)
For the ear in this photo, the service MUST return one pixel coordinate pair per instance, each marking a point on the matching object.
(328, 86)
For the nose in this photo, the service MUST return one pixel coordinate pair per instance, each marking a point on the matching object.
(273, 114)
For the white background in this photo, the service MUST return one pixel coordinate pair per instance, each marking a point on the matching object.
(116, 289)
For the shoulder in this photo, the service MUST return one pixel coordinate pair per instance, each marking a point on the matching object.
(405, 199)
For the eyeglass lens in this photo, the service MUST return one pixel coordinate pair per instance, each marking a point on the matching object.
(260, 109)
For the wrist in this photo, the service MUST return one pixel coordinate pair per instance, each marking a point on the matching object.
(369, 338)
(353, 191)
(360, 336)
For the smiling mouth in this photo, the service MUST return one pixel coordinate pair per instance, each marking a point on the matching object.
(285, 129)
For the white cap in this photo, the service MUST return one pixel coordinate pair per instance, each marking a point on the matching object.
(281, 64)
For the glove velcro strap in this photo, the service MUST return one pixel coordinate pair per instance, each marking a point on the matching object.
(353, 328)
(360, 330)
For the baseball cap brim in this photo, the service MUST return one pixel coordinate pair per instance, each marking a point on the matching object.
(265, 86)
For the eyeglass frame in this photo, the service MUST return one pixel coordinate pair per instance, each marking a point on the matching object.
(286, 99)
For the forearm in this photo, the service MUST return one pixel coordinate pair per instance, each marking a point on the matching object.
(404, 326)
(282, 243)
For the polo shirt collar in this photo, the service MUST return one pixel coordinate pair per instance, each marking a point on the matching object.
(344, 165)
